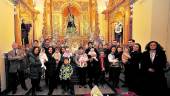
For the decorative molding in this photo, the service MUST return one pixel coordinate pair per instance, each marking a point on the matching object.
(31, 8)
(15, 2)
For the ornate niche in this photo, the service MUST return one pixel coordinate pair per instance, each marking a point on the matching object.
(24, 10)
(118, 11)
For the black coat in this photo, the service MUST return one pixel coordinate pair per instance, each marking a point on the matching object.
(51, 66)
(158, 64)
(154, 82)
(134, 63)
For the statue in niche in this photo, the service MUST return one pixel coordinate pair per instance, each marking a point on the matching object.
(118, 31)
(25, 28)
(71, 27)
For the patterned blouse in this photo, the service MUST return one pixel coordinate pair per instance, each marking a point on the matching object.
(65, 72)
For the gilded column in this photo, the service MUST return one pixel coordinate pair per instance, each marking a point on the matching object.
(17, 25)
(45, 33)
(51, 17)
(90, 11)
(127, 29)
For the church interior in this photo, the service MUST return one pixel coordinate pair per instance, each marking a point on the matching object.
(75, 23)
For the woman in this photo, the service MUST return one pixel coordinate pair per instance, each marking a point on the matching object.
(81, 61)
(133, 68)
(35, 68)
(114, 72)
(125, 60)
(51, 67)
(152, 66)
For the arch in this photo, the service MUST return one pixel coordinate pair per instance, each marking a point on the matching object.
(75, 8)
(72, 9)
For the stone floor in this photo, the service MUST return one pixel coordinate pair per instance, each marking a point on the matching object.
(106, 90)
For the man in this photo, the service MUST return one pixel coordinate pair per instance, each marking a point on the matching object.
(45, 46)
(16, 57)
(131, 43)
(115, 43)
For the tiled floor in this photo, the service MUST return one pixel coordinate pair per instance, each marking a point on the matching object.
(59, 92)
(106, 89)
(21, 91)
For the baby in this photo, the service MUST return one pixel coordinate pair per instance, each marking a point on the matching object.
(83, 60)
(57, 55)
(125, 56)
(43, 58)
(93, 54)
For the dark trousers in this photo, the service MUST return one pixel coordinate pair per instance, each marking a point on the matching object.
(66, 84)
(13, 81)
(93, 77)
(46, 77)
(126, 73)
(34, 83)
(38, 83)
(21, 76)
(25, 40)
(102, 77)
(114, 75)
(82, 75)
(52, 84)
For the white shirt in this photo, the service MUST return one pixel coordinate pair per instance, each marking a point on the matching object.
(152, 55)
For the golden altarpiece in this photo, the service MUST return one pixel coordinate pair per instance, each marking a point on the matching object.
(86, 19)
(56, 14)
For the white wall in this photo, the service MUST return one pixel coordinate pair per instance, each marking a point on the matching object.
(151, 22)
(7, 36)
(142, 14)
(160, 20)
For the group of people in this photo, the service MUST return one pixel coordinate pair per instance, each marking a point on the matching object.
(144, 71)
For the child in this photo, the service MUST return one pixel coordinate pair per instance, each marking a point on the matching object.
(65, 74)
(102, 58)
(43, 58)
(57, 55)
(126, 55)
(68, 54)
(93, 54)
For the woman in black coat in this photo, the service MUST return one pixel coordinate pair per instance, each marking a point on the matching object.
(133, 68)
(51, 67)
(35, 69)
(152, 66)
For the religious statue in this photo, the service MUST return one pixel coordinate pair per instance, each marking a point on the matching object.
(71, 21)
(25, 28)
(118, 32)
(71, 28)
